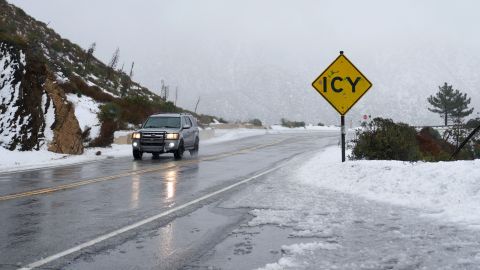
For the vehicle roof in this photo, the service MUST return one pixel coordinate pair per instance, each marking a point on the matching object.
(169, 114)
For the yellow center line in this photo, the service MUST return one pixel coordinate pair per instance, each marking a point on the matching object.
(136, 172)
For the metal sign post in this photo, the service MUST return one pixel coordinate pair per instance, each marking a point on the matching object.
(342, 124)
(342, 85)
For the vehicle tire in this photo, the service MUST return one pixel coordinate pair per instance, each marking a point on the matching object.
(155, 155)
(196, 147)
(137, 155)
(179, 153)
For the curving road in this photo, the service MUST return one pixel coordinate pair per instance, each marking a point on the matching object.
(125, 214)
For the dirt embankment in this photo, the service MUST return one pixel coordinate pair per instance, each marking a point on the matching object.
(67, 133)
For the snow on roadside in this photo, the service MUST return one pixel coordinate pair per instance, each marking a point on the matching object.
(86, 110)
(224, 135)
(313, 198)
(306, 128)
(448, 190)
(11, 161)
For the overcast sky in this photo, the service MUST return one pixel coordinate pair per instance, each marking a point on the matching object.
(242, 49)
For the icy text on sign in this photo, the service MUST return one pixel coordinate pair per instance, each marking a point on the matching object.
(342, 84)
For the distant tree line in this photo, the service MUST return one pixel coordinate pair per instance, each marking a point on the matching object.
(291, 124)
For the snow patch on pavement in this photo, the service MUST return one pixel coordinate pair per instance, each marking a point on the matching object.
(296, 254)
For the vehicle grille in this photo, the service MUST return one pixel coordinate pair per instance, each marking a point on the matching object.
(153, 138)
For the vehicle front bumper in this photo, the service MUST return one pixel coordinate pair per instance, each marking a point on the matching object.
(166, 146)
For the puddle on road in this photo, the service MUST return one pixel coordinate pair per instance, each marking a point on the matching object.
(170, 245)
(247, 248)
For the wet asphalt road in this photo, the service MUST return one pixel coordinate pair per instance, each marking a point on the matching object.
(45, 212)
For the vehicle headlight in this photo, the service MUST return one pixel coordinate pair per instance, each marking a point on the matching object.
(136, 135)
(172, 136)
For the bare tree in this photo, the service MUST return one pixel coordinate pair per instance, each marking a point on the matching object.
(126, 82)
(125, 86)
(176, 96)
(115, 58)
(112, 65)
(164, 91)
(131, 71)
(90, 52)
(196, 105)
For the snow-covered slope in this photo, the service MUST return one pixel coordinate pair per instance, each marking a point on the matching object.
(86, 110)
(10, 67)
(25, 123)
(34, 111)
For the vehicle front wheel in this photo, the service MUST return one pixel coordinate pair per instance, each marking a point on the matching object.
(179, 153)
(137, 155)
(194, 151)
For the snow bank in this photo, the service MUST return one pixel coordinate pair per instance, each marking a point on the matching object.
(321, 199)
(224, 135)
(25, 160)
(449, 190)
(86, 111)
(120, 133)
(306, 128)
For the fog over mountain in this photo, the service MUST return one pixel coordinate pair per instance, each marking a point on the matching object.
(257, 58)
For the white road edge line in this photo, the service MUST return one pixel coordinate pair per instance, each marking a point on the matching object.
(143, 222)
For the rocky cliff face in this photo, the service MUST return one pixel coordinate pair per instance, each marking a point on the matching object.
(35, 113)
(67, 136)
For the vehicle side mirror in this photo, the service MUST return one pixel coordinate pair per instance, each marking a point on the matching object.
(186, 126)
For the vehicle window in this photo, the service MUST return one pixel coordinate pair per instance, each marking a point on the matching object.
(193, 121)
(162, 122)
(188, 122)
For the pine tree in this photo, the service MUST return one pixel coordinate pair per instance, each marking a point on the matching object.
(450, 103)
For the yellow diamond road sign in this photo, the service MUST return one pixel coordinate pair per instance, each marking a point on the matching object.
(342, 84)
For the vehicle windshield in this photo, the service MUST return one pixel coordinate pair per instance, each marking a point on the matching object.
(162, 122)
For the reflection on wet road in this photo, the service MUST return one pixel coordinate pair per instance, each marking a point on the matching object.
(45, 212)
(125, 174)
